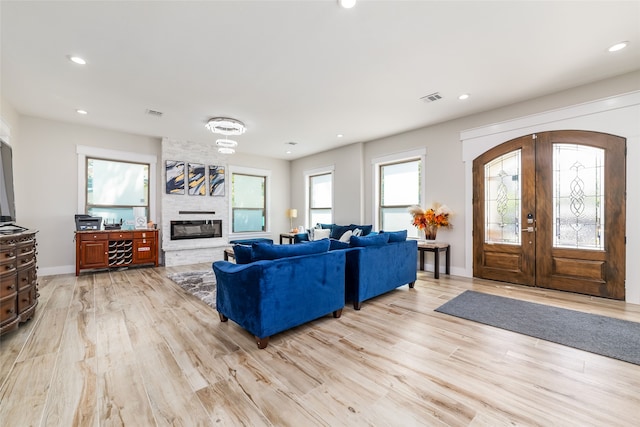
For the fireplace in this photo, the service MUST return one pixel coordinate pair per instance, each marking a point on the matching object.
(196, 229)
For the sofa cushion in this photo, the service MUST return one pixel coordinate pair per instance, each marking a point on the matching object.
(366, 229)
(338, 230)
(242, 254)
(373, 240)
(319, 234)
(265, 251)
(337, 244)
(346, 236)
(396, 236)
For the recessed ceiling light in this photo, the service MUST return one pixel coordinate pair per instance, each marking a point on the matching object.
(77, 60)
(339, 135)
(288, 152)
(347, 4)
(463, 96)
(83, 112)
(618, 46)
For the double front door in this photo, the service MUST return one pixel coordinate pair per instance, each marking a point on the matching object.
(549, 211)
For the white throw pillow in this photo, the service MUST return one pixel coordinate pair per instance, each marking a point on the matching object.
(320, 233)
(346, 237)
(357, 232)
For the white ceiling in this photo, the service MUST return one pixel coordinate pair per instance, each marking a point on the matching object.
(301, 71)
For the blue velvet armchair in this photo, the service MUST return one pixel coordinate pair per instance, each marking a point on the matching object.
(266, 297)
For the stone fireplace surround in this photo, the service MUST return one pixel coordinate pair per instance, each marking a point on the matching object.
(184, 207)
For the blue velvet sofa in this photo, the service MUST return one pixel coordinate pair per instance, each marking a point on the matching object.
(377, 264)
(280, 286)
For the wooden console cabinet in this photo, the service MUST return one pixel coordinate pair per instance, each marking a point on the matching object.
(115, 248)
(18, 279)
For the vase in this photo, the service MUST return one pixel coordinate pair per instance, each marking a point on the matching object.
(430, 232)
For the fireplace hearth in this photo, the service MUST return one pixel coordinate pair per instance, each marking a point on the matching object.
(196, 229)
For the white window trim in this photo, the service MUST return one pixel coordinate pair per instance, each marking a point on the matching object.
(250, 171)
(307, 176)
(395, 158)
(84, 151)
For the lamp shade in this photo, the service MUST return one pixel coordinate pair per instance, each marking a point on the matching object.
(292, 213)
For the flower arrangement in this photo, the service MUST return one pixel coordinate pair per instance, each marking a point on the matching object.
(437, 216)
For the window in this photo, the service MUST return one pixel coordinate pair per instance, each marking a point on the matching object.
(248, 202)
(114, 188)
(320, 200)
(400, 186)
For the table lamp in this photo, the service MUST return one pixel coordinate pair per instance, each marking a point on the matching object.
(292, 213)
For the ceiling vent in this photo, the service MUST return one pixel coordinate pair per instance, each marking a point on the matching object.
(431, 97)
(154, 113)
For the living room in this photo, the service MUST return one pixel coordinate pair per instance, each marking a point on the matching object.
(49, 187)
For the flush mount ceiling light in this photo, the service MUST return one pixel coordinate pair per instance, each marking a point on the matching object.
(347, 4)
(618, 46)
(226, 126)
(228, 143)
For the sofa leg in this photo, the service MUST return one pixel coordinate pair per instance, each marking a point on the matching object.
(337, 313)
(223, 318)
(262, 342)
(357, 305)
(412, 284)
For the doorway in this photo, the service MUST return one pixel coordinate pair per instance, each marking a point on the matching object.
(549, 211)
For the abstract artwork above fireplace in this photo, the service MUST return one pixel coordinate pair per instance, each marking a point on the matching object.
(216, 180)
(175, 177)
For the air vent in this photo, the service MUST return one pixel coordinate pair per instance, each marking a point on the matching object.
(431, 97)
(154, 113)
(290, 143)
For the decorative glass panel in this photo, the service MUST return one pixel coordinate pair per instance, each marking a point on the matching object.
(503, 199)
(578, 196)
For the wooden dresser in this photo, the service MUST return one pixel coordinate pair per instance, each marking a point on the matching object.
(115, 248)
(18, 279)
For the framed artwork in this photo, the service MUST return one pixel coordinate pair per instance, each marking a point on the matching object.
(175, 177)
(216, 180)
(197, 180)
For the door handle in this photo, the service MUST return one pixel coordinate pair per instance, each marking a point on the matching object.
(528, 230)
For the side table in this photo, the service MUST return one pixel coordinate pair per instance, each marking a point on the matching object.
(436, 248)
(288, 236)
(228, 253)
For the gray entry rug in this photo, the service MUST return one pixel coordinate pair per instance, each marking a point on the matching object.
(201, 284)
(606, 336)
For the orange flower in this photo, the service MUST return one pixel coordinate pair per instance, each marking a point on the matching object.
(438, 216)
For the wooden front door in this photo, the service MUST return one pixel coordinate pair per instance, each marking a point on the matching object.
(549, 211)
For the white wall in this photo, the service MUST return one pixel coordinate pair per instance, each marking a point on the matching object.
(445, 169)
(348, 199)
(46, 182)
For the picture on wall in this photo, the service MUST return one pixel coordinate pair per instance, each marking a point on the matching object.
(175, 177)
(216, 180)
(197, 180)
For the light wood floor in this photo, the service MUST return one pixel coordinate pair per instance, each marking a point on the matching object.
(131, 348)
